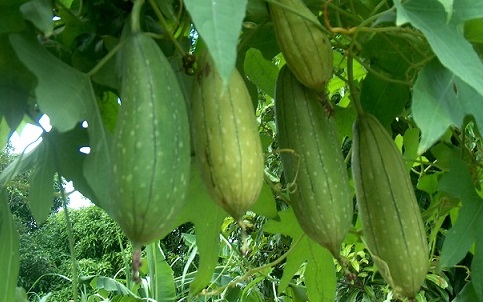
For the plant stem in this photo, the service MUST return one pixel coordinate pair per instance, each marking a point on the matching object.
(161, 19)
(106, 58)
(250, 272)
(350, 77)
(70, 235)
(380, 75)
(135, 16)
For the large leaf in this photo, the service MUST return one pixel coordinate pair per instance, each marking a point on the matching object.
(161, 275)
(445, 38)
(219, 24)
(40, 13)
(474, 30)
(57, 153)
(383, 99)
(9, 254)
(440, 100)
(468, 293)
(11, 19)
(320, 278)
(42, 184)
(458, 183)
(68, 157)
(265, 204)
(392, 55)
(62, 92)
(260, 71)
(477, 262)
(21, 164)
(199, 207)
(16, 84)
(71, 102)
(262, 38)
(110, 285)
(448, 8)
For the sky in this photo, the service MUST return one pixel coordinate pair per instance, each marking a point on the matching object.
(30, 134)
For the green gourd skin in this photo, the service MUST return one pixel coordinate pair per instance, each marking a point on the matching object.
(305, 47)
(322, 198)
(391, 219)
(151, 147)
(226, 139)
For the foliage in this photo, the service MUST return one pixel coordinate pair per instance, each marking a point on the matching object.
(415, 65)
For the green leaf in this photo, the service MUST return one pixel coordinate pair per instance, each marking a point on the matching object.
(384, 100)
(261, 37)
(66, 105)
(466, 10)
(16, 85)
(428, 183)
(74, 27)
(297, 293)
(468, 293)
(257, 11)
(58, 152)
(108, 75)
(340, 64)
(39, 12)
(72, 102)
(111, 285)
(444, 153)
(42, 184)
(288, 225)
(260, 71)
(21, 164)
(266, 205)
(108, 108)
(474, 30)
(344, 118)
(166, 8)
(45, 298)
(161, 274)
(21, 295)
(219, 24)
(199, 206)
(11, 19)
(4, 131)
(411, 143)
(320, 275)
(68, 158)
(448, 7)
(446, 40)
(477, 265)
(440, 100)
(9, 254)
(392, 55)
(458, 183)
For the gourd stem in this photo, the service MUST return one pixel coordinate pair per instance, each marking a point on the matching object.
(106, 58)
(135, 16)
(164, 24)
(136, 263)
